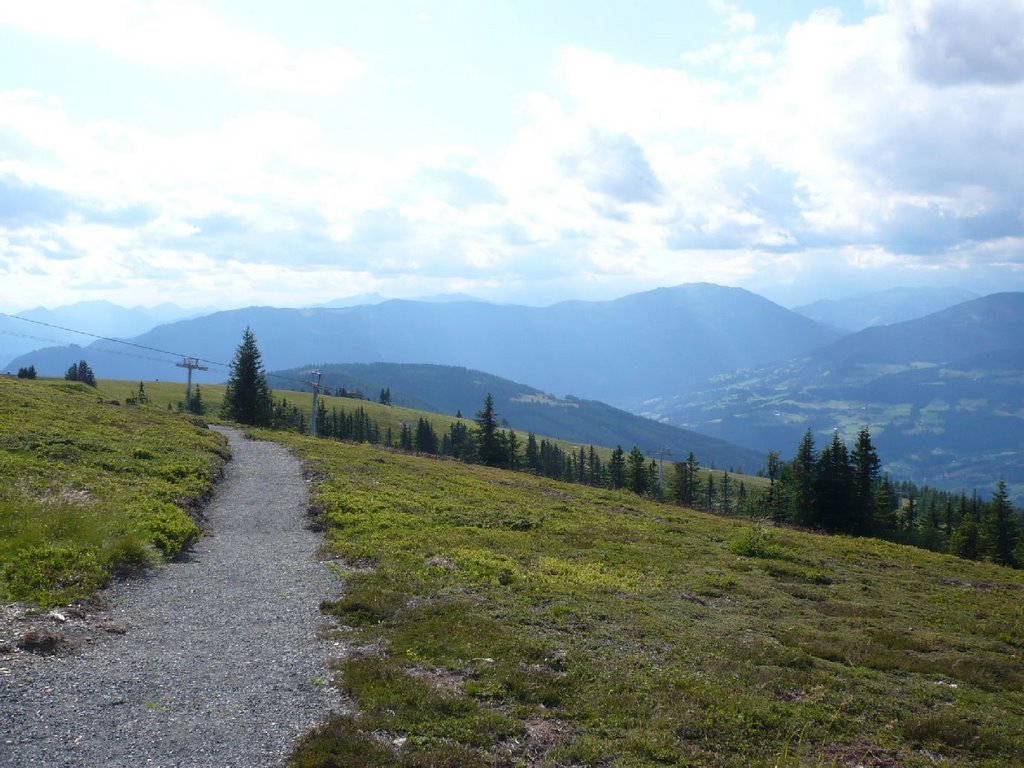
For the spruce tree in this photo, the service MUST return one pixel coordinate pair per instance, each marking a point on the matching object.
(965, 540)
(532, 454)
(247, 398)
(81, 372)
(617, 468)
(511, 450)
(654, 480)
(801, 481)
(865, 466)
(1001, 531)
(196, 405)
(488, 441)
(886, 504)
(426, 437)
(636, 472)
(832, 487)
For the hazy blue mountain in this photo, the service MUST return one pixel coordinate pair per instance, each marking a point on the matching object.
(448, 298)
(943, 396)
(376, 298)
(621, 352)
(353, 301)
(449, 389)
(99, 318)
(895, 305)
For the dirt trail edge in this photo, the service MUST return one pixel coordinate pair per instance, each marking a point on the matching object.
(218, 665)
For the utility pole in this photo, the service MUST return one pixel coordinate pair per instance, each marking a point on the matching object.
(192, 363)
(316, 396)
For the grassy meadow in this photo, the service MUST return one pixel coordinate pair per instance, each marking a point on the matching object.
(90, 487)
(496, 618)
(502, 619)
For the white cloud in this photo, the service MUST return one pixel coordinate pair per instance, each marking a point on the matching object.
(735, 19)
(839, 141)
(185, 35)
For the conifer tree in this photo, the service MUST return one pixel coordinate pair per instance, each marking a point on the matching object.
(886, 503)
(636, 472)
(832, 487)
(426, 437)
(654, 489)
(1001, 529)
(247, 398)
(532, 454)
(965, 541)
(511, 450)
(685, 481)
(865, 466)
(488, 442)
(85, 374)
(81, 372)
(196, 404)
(617, 468)
(801, 481)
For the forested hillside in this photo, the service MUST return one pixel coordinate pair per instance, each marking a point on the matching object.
(943, 396)
(452, 390)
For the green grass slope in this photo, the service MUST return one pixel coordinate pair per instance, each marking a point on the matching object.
(393, 417)
(90, 488)
(503, 619)
(449, 389)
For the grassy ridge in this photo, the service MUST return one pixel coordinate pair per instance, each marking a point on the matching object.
(511, 619)
(393, 417)
(91, 488)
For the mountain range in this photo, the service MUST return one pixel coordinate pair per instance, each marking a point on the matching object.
(81, 323)
(941, 393)
(894, 305)
(619, 352)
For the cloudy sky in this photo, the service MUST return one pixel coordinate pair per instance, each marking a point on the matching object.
(233, 153)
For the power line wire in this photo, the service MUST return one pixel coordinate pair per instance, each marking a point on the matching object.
(99, 337)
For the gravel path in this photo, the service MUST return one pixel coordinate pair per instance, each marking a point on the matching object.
(218, 665)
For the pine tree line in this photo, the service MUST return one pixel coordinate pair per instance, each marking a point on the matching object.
(842, 490)
(81, 372)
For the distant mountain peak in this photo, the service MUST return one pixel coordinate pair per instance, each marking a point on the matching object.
(885, 307)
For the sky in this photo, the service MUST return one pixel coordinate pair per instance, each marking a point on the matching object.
(235, 153)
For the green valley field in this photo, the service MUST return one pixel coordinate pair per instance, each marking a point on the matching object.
(497, 618)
